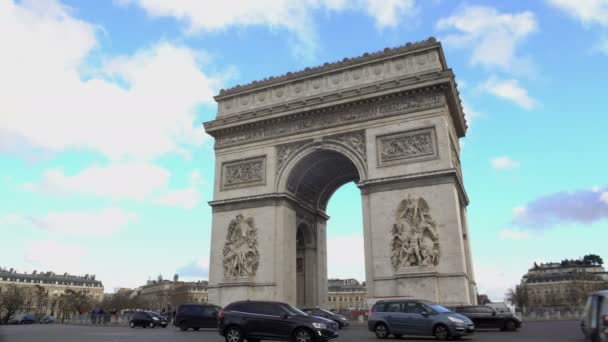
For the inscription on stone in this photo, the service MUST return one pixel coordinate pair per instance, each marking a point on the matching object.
(407, 146)
(247, 172)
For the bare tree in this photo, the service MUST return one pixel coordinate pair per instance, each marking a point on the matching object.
(518, 296)
(13, 299)
(40, 296)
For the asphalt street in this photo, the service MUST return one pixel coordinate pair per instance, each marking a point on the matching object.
(532, 331)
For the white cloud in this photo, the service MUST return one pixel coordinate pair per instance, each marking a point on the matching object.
(504, 162)
(588, 12)
(604, 197)
(470, 114)
(136, 106)
(519, 211)
(495, 281)
(596, 188)
(510, 90)
(493, 36)
(295, 17)
(513, 234)
(183, 198)
(103, 222)
(345, 257)
(134, 181)
(54, 256)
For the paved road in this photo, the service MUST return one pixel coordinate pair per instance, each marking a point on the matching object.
(532, 331)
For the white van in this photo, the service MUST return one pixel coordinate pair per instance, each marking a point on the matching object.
(594, 322)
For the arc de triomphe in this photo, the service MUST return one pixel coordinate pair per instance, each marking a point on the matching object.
(389, 121)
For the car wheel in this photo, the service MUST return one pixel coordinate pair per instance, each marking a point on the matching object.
(381, 331)
(132, 325)
(510, 325)
(151, 325)
(233, 334)
(441, 332)
(340, 325)
(183, 326)
(302, 335)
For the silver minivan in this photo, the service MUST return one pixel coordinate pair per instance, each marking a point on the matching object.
(594, 322)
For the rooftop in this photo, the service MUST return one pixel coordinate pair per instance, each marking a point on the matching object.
(290, 76)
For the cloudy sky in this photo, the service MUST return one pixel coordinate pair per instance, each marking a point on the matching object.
(105, 167)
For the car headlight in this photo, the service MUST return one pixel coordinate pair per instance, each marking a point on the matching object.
(455, 320)
(155, 318)
(319, 325)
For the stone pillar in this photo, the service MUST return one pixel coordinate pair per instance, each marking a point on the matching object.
(444, 281)
(321, 260)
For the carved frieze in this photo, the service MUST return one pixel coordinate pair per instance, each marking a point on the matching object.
(407, 146)
(339, 116)
(285, 151)
(414, 239)
(355, 75)
(242, 173)
(356, 140)
(241, 255)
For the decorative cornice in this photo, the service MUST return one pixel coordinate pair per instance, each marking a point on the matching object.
(354, 112)
(290, 76)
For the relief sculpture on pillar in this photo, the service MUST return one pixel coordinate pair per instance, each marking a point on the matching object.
(241, 256)
(414, 240)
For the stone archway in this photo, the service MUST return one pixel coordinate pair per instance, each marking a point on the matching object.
(389, 121)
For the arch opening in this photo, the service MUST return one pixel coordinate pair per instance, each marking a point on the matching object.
(312, 180)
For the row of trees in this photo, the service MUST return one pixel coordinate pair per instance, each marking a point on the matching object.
(37, 301)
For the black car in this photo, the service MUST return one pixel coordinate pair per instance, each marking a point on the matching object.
(196, 316)
(257, 320)
(318, 312)
(485, 317)
(147, 319)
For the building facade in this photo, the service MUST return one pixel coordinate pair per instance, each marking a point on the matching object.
(346, 295)
(43, 289)
(162, 294)
(561, 285)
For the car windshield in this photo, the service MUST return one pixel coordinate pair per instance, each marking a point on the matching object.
(293, 311)
(154, 314)
(439, 308)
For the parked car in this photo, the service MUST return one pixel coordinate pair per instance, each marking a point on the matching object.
(22, 319)
(196, 316)
(147, 319)
(258, 320)
(400, 317)
(318, 312)
(48, 320)
(594, 322)
(486, 317)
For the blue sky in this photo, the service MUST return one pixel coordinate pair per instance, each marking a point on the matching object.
(103, 157)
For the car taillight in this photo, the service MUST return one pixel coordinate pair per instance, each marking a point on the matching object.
(220, 314)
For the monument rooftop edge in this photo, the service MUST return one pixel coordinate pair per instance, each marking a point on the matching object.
(409, 69)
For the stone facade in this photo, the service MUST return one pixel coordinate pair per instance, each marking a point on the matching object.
(162, 294)
(389, 121)
(346, 295)
(53, 286)
(555, 286)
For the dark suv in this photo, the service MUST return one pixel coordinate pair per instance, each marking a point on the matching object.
(417, 317)
(257, 320)
(486, 317)
(196, 316)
